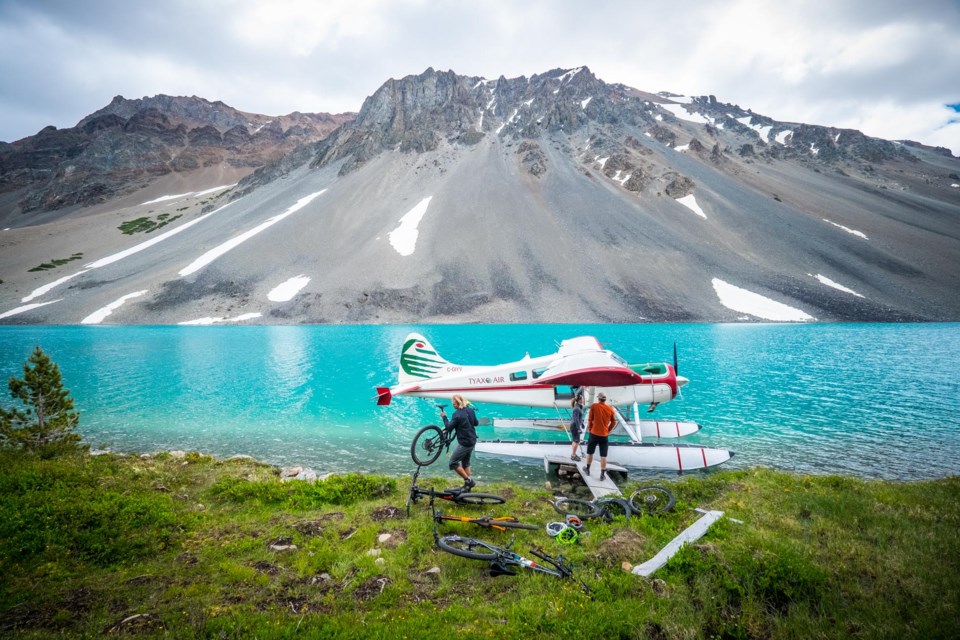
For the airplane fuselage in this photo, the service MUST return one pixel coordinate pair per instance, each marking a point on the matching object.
(517, 383)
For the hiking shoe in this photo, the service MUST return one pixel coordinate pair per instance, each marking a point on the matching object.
(469, 484)
(586, 470)
(603, 474)
(576, 458)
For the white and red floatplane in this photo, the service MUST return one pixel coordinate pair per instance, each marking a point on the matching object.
(549, 381)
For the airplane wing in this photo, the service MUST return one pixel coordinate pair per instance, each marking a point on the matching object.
(589, 368)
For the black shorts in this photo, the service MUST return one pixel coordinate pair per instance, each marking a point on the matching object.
(460, 457)
(575, 433)
(595, 441)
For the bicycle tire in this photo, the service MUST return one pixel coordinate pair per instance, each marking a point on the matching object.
(466, 547)
(652, 500)
(478, 498)
(583, 509)
(427, 445)
(615, 507)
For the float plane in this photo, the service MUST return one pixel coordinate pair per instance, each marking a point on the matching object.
(580, 364)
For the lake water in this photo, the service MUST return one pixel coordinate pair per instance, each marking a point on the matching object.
(875, 401)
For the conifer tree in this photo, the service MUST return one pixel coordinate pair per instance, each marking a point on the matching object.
(49, 418)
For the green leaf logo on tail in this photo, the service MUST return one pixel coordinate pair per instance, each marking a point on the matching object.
(419, 360)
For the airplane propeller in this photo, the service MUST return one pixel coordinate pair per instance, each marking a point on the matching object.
(676, 369)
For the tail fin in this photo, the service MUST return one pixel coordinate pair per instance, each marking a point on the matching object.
(384, 396)
(418, 360)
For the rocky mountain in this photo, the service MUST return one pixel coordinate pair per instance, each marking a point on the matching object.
(129, 143)
(554, 198)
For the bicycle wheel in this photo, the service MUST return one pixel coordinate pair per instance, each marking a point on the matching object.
(427, 445)
(614, 508)
(478, 498)
(583, 509)
(652, 500)
(468, 547)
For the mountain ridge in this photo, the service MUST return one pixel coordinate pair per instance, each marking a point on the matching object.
(123, 146)
(554, 198)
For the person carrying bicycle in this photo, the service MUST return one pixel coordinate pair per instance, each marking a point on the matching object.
(464, 422)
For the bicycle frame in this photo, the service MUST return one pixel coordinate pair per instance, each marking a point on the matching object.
(500, 523)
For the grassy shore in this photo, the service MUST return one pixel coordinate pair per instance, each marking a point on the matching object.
(195, 547)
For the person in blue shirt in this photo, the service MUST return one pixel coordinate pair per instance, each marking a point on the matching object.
(464, 422)
(576, 425)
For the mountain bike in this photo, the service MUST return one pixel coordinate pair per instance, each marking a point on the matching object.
(430, 442)
(457, 495)
(503, 559)
(500, 523)
(652, 500)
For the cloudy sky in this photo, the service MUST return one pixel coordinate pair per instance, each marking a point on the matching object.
(890, 68)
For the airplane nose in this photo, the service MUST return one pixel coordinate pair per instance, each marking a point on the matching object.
(682, 381)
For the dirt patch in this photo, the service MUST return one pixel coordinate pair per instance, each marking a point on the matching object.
(136, 624)
(386, 513)
(267, 568)
(371, 588)
(139, 581)
(316, 527)
(624, 544)
(282, 541)
(187, 559)
(396, 538)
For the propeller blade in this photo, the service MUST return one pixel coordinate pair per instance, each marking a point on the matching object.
(676, 370)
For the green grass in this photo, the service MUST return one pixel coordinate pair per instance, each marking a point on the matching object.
(146, 225)
(89, 541)
(56, 262)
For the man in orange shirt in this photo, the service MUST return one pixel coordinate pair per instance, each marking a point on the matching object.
(601, 422)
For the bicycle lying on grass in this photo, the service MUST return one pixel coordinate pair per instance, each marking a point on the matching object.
(500, 523)
(457, 495)
(503, 559)
(652, 500)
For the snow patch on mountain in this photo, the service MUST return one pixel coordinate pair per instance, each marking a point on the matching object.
(218, 251)
(101, 314)
(404, 237)
(830, 283)
(47, 287)
(691, 203)
(859, 234)
(285, 291)
(680, 112)
(26, 307)
(195, 194)
(754, 304)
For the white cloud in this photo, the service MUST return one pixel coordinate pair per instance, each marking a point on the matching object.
(864, 64)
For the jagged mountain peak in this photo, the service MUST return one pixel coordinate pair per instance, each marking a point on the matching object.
(129, 143)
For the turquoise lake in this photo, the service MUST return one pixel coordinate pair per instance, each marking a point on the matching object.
(870, 400)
